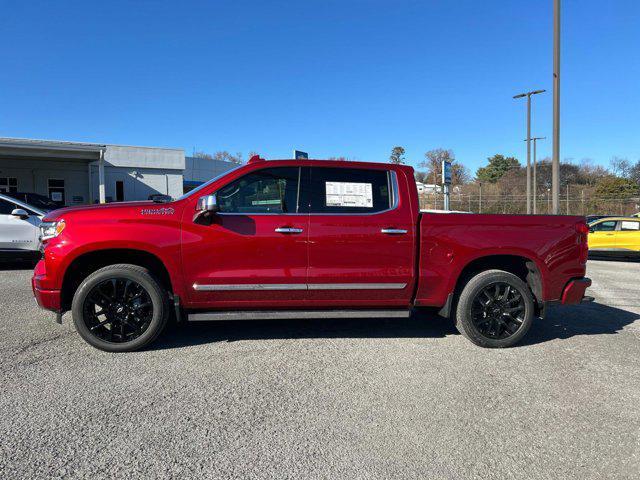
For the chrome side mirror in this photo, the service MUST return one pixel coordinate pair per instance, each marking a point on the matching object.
(19, 212)
(208, 203)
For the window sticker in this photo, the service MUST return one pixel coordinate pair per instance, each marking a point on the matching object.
(630, 225)
(348, 194)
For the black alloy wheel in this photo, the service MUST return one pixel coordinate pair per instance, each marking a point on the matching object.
(495, 309)
(117, 310)
(120, 308)
(498, 311)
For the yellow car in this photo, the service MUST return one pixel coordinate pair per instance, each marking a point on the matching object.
(615, 235)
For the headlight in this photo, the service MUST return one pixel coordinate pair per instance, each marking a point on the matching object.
(51, 229)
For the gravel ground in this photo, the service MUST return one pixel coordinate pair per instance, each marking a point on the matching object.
(327, 399)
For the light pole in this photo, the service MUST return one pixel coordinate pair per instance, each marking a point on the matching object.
(535, 182)
(555, 161)
(528, 95)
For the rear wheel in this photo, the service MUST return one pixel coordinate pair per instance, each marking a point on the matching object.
(120, 308)
(495, 309)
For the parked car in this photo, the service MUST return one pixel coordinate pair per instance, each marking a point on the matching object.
(19, 229)
(615, 235)
(304, 239)
(593, 218)
(41, 202)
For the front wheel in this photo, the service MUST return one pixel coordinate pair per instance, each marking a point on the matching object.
(120, 308)
(495, 309)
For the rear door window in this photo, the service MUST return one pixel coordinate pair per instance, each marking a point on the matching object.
(629, 226)
(349, 190)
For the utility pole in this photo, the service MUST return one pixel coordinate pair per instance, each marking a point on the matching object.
(567, 198)
(535, 179)
(555, 162)
(528, 95)
(480, 199)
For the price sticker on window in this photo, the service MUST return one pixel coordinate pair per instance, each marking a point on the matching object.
(348, 194)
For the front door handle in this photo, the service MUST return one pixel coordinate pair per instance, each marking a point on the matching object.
(288, 230)
(393, 231)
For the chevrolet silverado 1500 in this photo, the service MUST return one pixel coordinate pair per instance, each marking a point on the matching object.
(303, 239)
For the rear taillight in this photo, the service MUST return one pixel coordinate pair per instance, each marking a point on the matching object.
(582, 228)
(582, 240)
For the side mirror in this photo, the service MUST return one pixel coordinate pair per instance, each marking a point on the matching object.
(19, 212)
(208, 203)
(591, 230)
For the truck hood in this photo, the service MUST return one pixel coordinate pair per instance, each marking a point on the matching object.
(116, 209)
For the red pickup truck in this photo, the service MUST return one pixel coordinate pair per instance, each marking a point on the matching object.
(303, 239)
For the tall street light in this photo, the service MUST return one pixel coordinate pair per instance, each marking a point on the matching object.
(535, 181)
(528, 95)
(555, 162)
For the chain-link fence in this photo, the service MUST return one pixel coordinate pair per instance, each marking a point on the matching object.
(579, 204)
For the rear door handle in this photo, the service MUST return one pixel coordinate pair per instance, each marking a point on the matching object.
(393, 231)
(288, 230)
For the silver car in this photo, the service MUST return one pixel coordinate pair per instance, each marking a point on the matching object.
(19, 229)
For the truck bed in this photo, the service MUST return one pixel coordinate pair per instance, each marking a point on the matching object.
(451, 243)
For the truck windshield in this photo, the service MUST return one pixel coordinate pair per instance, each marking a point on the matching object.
(200, 187)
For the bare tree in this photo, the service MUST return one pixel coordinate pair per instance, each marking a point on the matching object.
(225, 156)
(433, 165)
(421, 177)
(590, 173)
(204, 155)
(397, 155)
(620, 167)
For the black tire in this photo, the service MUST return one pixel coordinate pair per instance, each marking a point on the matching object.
(495, 322)
(134, 311)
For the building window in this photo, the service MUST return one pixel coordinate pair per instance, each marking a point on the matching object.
(119, 191)
(56, 191)
(8, 184)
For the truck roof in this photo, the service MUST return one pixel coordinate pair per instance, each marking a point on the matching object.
(332, 163)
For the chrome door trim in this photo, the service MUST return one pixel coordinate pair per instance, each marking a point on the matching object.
(297, 286)
(356, 286)
(288, 230)
(249, 286)
(393, 231)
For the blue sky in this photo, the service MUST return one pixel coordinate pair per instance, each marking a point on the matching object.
(347, 77)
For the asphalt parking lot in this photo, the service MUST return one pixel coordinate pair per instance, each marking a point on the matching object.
(327, 399)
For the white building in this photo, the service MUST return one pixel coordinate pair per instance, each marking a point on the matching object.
(199, 170)
(428, 188)
(72, 173)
